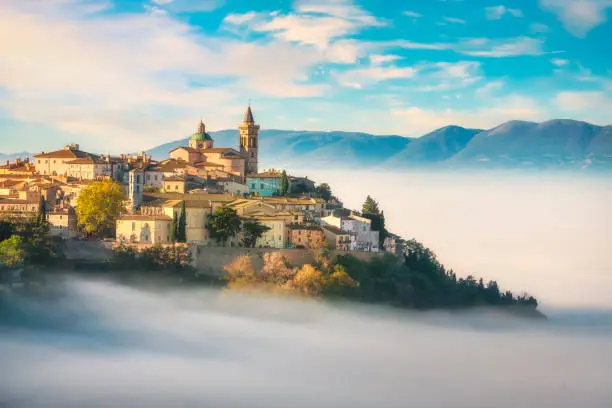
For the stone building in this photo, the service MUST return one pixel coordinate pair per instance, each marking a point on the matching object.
(222, 161)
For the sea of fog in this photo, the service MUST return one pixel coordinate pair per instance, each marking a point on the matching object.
(100, 344)
(547, 234)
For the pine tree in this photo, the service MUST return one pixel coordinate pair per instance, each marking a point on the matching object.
(182, 224)
(284, 184)
(370, 207)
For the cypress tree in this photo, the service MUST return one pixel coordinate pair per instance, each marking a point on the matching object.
(41, 215)
(284, 184)
(182, 224)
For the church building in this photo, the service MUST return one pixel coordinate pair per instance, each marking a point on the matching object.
(201, 152)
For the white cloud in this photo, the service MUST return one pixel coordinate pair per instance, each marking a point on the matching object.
(189, 6)
(584, 101)
(411, 45)
(382, 59)
(559, 62)
(454, 20)
(240, 18)
(314, 23)
(371, 75)
(445, 76)
(578, 16)
(497, 12)
(487, 90)
(80, 73)
(501, 48)
(418, 120)
(412, 14)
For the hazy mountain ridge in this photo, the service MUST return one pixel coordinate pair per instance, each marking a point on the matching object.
(559, 143)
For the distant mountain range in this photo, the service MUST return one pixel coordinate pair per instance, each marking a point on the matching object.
(517, 144)
(560, 143)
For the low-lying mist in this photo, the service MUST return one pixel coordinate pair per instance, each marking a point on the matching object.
(105, 345)
(547, 233)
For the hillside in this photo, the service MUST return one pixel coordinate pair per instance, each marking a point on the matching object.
(434, 147)
(559, 143)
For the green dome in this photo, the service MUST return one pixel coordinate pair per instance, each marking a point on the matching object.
(201, 136)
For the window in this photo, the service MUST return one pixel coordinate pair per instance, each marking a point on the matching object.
(176, 187)
(46, 161)
(39, 161)
(133, 226)
(261, 186)
(253, 186)
(53, 161)
(155, 178)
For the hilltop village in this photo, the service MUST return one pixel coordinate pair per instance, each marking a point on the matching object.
(192, 184)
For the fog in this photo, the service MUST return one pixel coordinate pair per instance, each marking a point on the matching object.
(548, 234)
(105, 345)
(101, 344)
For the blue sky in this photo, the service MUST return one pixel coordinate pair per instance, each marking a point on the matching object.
(120, 75)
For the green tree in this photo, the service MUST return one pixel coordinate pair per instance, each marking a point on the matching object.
(98, 207)
(223, 224)
(174, 227)
(12, 251)
(253, 230)
(371, 211)
(182, 224)
(284, 184)
(41, 215)
(7, 228)
(324, 191)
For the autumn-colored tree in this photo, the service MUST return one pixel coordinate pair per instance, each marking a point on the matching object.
(276, 269)
(241, 274)
(98, 207)
(308, 280)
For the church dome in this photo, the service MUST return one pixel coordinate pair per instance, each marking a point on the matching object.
(200, 134)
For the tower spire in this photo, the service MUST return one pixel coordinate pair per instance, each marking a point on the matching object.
(248, 117)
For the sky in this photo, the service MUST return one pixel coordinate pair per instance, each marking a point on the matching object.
(124, 75)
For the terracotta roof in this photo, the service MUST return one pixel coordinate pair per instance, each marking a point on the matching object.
(207, 164)
(144, 218)
(172, 164)
(14, 201)
(174, 178)
(265, 175)
(64, 154)
(189, 149)
(188, 204)
(217, 150)
(88, 160)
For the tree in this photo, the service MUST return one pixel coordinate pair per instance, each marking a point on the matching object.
(323, 190)
(181, 232)
(223, 224)
(284, 184)
(98, 207)
(252, 230)
(371, 211)
(12, 251)
(41, 215)
(174, 228)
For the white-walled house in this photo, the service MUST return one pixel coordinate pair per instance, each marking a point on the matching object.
(360, 227)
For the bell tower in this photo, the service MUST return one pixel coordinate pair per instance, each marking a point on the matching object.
(249, 141)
